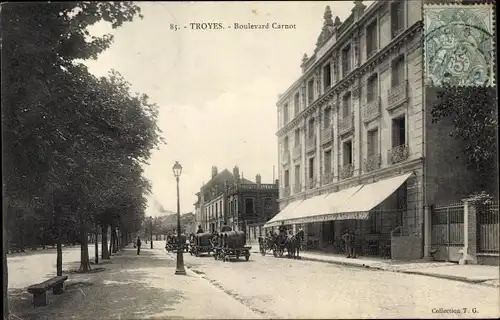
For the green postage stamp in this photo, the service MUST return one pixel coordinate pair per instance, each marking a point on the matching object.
(459, 45)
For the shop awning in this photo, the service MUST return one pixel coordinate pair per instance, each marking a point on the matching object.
(321, 208)
(283, 214)
(371, 195)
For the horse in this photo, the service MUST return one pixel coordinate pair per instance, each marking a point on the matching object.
(293, 244)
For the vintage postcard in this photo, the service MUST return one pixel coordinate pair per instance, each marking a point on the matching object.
(250, 160)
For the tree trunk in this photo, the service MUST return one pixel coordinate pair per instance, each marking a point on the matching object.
(115, 241)
(96, 260)
(111, 235)
(4, 259)
(104, 243)
(58, 244)
(84, 246)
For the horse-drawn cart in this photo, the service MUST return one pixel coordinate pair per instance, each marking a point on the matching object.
(172, 246)
(201, 244)
(231, 244)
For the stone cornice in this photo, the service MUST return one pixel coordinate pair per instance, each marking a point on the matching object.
(345, 82)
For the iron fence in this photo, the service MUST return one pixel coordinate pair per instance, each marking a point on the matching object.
(487, 233)
(448, 225)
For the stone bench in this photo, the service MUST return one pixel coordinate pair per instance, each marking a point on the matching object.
(39, 291)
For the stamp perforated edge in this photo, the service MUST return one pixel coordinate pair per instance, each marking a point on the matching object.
(462, 3)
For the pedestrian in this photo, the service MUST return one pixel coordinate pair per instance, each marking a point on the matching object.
(138, 245)
(200, 229)
(348, 238)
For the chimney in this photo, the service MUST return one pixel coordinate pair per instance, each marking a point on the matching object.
(236, 173)
(257, 179)
(214, 171)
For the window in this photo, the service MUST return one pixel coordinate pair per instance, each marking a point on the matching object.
(397, 18)
(375, 222)
(397, 72)
(285, 113)
(311, 128)
(296, 139)
(398, 132)
(372, 88)
(268, 203)
(249, 206)
(297, 175)
(346, 105)
(285, 144)
(346, 60)
(327, 117)
(216, 209)
(372, 142)
(327, 77)
(347, 152)
(296, 103)
(287, 178)
(310, 91)
(371, 39)
(311, 168)
(328, 161)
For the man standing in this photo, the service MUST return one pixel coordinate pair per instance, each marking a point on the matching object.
(200, 230)
(138, 245)
(348, 238)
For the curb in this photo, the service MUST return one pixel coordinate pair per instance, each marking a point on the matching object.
(439, 276)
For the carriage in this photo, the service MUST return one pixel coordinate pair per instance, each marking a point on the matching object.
(200, 243)
(231, 244)
(274, 243)
(171, 244)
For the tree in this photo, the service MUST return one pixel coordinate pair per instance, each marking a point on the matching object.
(473, 111)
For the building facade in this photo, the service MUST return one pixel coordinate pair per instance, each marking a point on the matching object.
(228, 199)
(355, 118)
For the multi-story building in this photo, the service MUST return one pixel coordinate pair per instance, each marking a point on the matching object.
(228, 199)
(351, 131)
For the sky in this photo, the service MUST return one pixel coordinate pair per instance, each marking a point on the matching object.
(216, 89)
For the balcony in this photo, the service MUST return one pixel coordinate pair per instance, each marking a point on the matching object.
(371, 110)
(346, 125)
(310, 144)
(285, 192)
(326, 135)
(311, 183)
(398, 154)
(326, 178)
(346, 171)
(297, 188)
(286, 157)
(397, 95)
(296, 152)
(372, 162)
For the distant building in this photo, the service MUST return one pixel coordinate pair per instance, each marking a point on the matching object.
(233, 200)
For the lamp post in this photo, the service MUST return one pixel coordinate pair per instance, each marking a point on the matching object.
(177, 169)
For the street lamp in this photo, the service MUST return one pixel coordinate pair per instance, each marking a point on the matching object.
(177, 169)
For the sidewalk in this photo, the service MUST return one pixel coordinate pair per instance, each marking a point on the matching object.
(133, 287)
(486, 275)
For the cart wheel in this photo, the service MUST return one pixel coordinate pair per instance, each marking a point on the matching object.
(247, 257)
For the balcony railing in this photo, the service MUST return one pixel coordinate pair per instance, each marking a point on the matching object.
(285, 192)
(296, 152)
(326, 135)
(398, 154)
(371, 110)
(346, 171)
(326, 178)
(372, 162)
(346, 124)
(311, 183)
(297, 188)
(310, 143)
(286, 157)
(397, 95)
